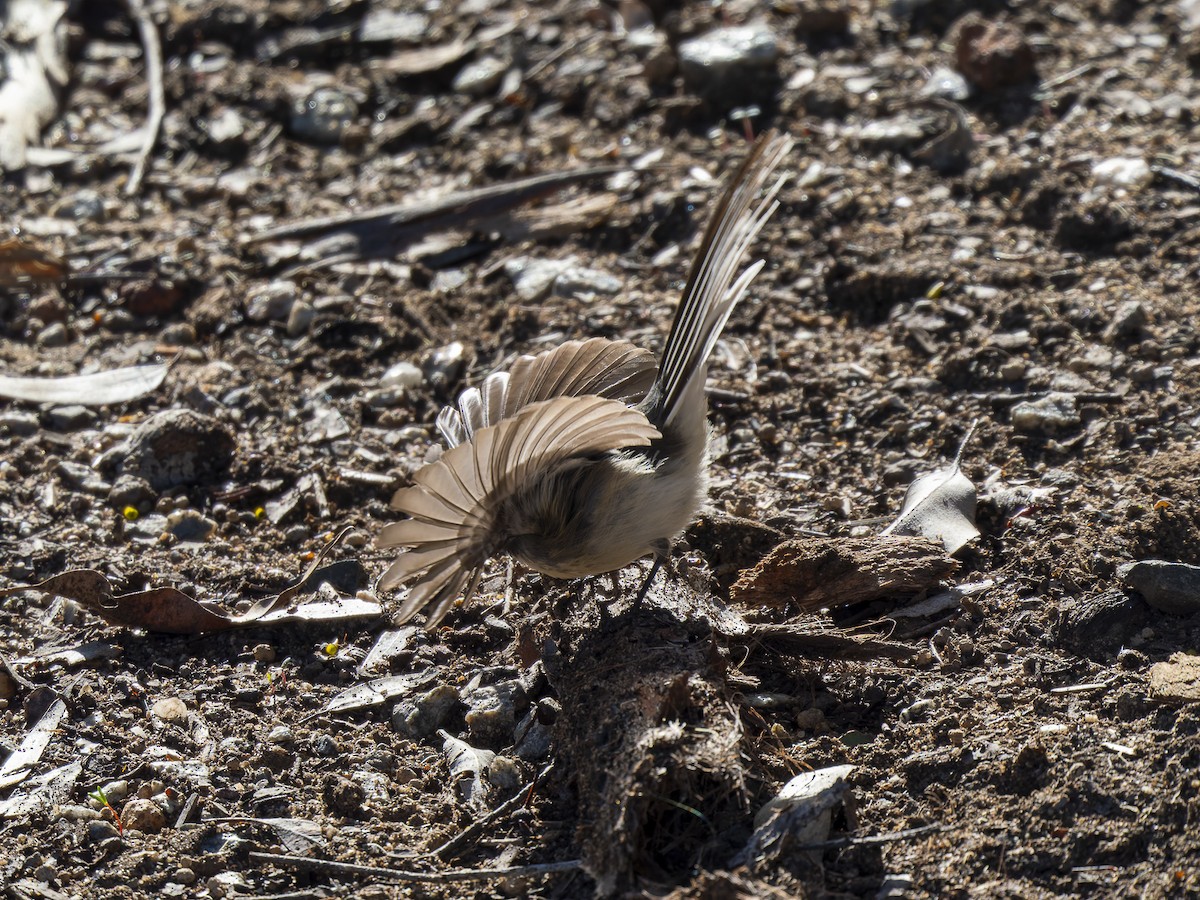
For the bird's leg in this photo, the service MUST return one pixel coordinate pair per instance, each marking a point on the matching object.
(662, 555)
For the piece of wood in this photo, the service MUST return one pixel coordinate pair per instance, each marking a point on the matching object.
(815, 573)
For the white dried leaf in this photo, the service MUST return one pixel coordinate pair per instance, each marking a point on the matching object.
(96, 389)
(940, 505)
(468, 765)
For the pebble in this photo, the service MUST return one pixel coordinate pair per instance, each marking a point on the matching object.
(54, 335)
(585, 283)
(420, 717)
(324, 116)
(402, 375)
(1130, 172)
(178, 447)
(116, 791)
(481, 76)
(1171, 587)
(300, 318)
(445, 364)
(19, 422)
(143, 815)
(992, 55)
(1055, 412)
(71, 418)
(264, 653)
(227, 884)
(170, 709)
(324, 745)
(101, 830)
(190, 526)
(727, 55)
(281, 735)
(533, 738)
(83, 478)
(1128, 321)
(179, 334)
(533, 278)
(503, 774)
(492, 712)
(272, 302)
(184, 875)
(947, 84)
(226, 127)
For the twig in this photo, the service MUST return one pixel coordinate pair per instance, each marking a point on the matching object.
(891, 837)
(156, 103)
(468, 833)
(331, 867)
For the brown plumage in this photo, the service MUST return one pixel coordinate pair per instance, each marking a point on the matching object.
(551, 463)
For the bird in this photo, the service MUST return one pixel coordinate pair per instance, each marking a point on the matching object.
(585, 458)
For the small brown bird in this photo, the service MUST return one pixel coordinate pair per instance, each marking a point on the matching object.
(587, 457)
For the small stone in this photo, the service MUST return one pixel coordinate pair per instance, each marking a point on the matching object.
(533, 278)
(1055, 412)
(116, 791)
(585, 283)
(1171, 587)
(728, 56)
(101, 830)
(1128, 321)
(184, 875)
(947, 84)
(281, 735)
(170, 709)
(992, 55)
(19, 422)
(264, 653)
(445, 364)
(480, 76)
(1130, 172)
(402, 375)
(533, 738)
(1013, 370)
(83, 478)
(503, 774)
(225, 127)
(143, 815)
(492, 712)
(71, 418)
(179, 334)
(189, 526)
(420, 717)
(300, 318)
(272, 302)
(227, 884)
(324, 745)
(54, 335)
(1177, 679)
(324, 116)
(45, 873)
(179, 447)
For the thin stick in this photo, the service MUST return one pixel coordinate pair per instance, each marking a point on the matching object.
(889, 838)
(468, 833)
(157, 102)
(331, 867)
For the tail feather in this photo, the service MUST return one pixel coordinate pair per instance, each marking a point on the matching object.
(712, 292)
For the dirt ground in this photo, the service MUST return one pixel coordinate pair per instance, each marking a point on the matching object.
(1025, 257)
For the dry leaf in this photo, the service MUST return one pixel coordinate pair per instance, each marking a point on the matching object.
(940, 505)
(19, 763)
(96, 389)
(375, 692)
(171, 611)
(467, 766)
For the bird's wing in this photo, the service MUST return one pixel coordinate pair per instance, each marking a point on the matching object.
(453, 504)
(614, 369)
